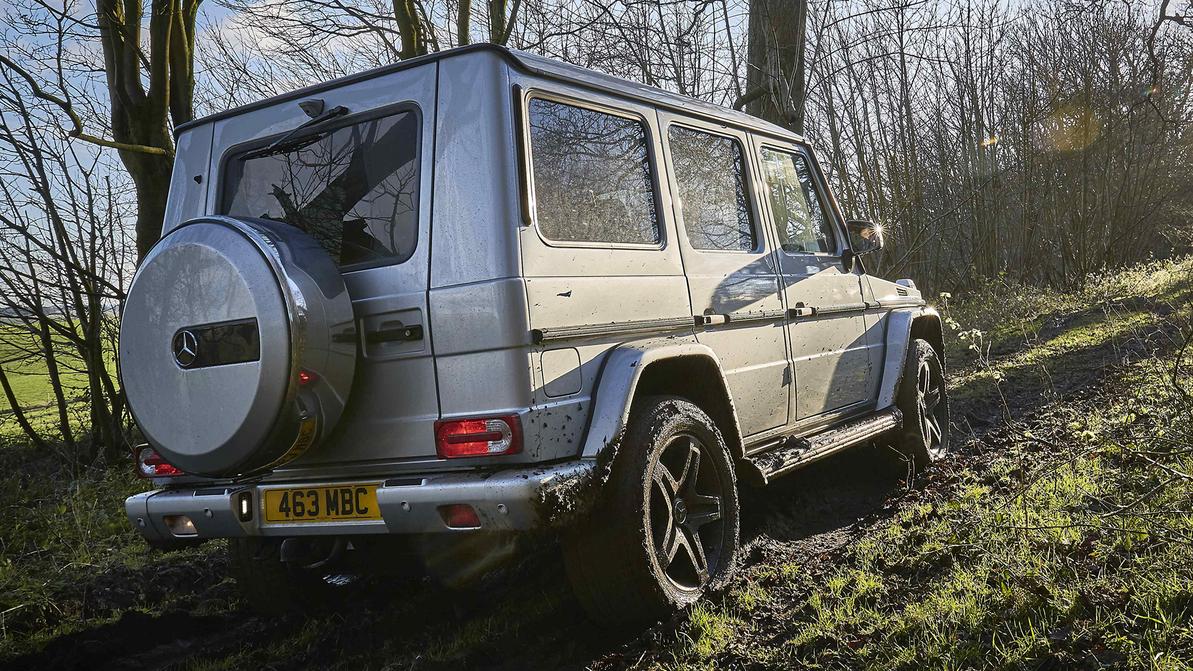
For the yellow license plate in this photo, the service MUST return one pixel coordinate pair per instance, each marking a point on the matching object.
(322, 504)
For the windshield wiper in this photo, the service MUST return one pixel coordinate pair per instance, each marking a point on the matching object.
(281, 145)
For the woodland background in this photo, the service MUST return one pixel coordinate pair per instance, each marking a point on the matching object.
(997, 140)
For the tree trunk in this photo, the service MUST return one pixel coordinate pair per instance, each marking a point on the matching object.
(149, 90)
(775, 86)
(411, 29)
(464, 22)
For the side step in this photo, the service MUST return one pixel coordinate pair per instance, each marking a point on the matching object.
(794, 452)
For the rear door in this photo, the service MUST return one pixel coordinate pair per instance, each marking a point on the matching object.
(826, 326)
(731, 272)
(361, 185)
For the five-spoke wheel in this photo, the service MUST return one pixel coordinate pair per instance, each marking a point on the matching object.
(925, 405)
(665, 528)
(685, 512)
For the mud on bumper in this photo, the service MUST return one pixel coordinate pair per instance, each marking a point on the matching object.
(512, 500)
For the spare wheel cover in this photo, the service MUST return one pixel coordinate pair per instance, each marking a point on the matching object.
(220, 318)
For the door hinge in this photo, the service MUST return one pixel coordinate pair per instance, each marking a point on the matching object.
(801, 311)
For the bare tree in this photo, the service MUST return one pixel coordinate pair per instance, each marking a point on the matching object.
(63, 257)
(149, 76)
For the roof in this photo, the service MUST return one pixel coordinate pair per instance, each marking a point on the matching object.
(551, 68)
(536, 65)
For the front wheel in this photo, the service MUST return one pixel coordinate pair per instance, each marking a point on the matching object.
(666, 527)
(924, 402)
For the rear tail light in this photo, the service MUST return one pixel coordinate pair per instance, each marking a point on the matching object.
(460, 516)
(150, 464)
(487, 437)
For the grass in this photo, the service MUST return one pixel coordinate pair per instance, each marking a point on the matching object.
(28, 374)
(1011, 554)
(1062, 542)
(68, 557)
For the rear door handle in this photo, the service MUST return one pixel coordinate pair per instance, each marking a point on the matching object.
(395, 334)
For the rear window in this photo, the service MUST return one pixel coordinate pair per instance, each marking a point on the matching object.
(353, 188)
(592, 177)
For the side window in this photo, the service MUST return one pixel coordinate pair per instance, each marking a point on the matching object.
(592, 178)
(710, 172)
(801, 219)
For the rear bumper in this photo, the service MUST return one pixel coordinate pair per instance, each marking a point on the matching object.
(513, 500)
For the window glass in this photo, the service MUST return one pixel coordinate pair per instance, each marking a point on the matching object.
(801, 219)
(352, 188)
(710, 173)
(592, 180)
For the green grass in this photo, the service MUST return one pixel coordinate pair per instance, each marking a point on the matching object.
(69, 560)
(1064, 542)
(28, 373)
(26, 369)
(1002, 557)
(1012, 564)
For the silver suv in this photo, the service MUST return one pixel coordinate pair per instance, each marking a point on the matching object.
(426, 310)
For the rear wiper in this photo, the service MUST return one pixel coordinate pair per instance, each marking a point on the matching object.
(281, 145)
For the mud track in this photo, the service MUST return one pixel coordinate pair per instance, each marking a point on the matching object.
(809, 516)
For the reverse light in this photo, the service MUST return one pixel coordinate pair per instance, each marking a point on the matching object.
(486, 437)
(460, 516)
(150, 464)
(244, 506)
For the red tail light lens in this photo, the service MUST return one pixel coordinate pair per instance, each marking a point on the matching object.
(487, 437)
(150, 464)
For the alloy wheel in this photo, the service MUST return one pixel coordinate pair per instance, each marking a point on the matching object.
(685, 511)
(931, 406)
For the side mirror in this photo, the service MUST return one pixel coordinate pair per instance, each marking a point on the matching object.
(864, 236)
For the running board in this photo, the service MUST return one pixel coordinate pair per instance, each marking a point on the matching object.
(794, 452)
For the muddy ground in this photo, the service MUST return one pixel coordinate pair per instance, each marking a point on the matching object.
(529, 619)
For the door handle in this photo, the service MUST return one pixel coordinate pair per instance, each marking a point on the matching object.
(395, 334)
(801, 311)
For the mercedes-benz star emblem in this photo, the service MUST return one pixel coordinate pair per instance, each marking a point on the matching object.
(186, 348)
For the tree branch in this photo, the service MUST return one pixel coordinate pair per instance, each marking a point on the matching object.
(77, 130)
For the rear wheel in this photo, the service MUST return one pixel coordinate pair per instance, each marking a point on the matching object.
(924, 402)
(666, 528)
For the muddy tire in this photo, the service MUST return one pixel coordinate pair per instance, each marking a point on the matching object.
(666, 527)
(924, 402)
(269, 586)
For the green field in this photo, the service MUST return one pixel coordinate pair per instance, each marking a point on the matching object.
(28, 373)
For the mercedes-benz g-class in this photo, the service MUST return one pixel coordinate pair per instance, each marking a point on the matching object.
(480, 294)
